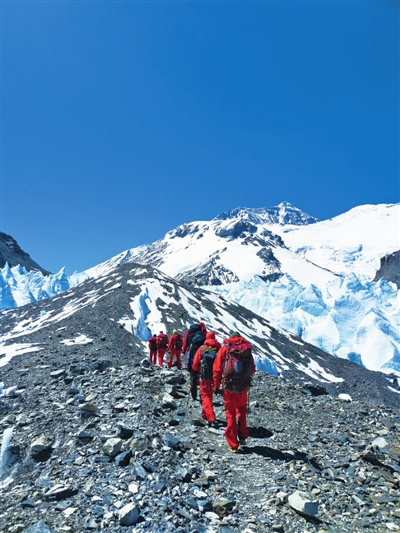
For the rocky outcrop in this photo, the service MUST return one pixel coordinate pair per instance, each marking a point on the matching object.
(210, 273)
(12, 253)
(390, 268)
(311, 459)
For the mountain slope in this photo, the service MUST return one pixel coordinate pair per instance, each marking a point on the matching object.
(94, 429)
(352, 242)
(141, 300)
(234, 246)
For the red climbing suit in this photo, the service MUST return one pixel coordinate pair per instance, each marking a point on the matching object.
(206, 385)
(173, 351)
(235, 403)
(153, 349)
(162, 345)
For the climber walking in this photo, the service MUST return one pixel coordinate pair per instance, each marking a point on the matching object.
(233, 369)
(162, 346)
(153, 349)
(194, 338)
(203, 363)
(191, 332)
(175, 348)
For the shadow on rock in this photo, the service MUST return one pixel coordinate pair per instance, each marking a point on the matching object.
(277, 455)
(260, 432)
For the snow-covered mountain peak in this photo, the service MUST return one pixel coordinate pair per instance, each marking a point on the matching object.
(282, 214)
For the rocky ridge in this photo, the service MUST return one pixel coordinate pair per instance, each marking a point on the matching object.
(103, 441)
(390, 268)
(12, 254)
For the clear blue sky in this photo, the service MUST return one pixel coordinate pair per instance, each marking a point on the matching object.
(122, 120)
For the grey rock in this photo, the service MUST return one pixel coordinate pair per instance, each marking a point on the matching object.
(39, 527)
(302, 502)
(124, 432)
(171, 441)
(58, 373)
(123, 458)
(88, 409)
(112, 447)
(60, 492)
(101, 365)
(29, 504)
(139, 471)
(145, 363)
(129, 515)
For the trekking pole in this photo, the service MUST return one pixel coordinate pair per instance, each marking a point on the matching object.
(248, 400)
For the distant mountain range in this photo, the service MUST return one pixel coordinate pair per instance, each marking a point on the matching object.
(312, 278)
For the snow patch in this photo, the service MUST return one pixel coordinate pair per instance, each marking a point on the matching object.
(81, 339)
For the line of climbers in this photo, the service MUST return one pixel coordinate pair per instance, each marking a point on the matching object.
(230, 366)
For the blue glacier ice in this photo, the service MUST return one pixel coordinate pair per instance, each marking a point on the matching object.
(350, 318)
(19, 286)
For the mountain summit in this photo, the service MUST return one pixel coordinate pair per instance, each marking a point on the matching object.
(282, 214)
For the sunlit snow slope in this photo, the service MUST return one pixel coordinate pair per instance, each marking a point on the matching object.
(352, 242)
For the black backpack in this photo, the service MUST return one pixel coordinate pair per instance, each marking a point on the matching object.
(207, 362)
(193, 329)
(197, 341)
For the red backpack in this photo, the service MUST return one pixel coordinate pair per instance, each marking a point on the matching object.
(153, 344)
(178, 342)
(238, 367)
(162, 341)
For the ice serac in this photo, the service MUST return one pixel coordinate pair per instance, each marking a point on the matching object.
(12, 254)
(20, 287)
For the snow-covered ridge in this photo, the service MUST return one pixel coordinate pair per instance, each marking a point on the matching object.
(353, 242)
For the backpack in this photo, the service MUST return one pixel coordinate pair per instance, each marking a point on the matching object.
(238, 368)
(197, 341)
(193, 329)
(207, 362)
(178, 342)
(162, 341)
(153, 344)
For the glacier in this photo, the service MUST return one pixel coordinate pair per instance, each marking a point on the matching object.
(348, 317)
(20, 287)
